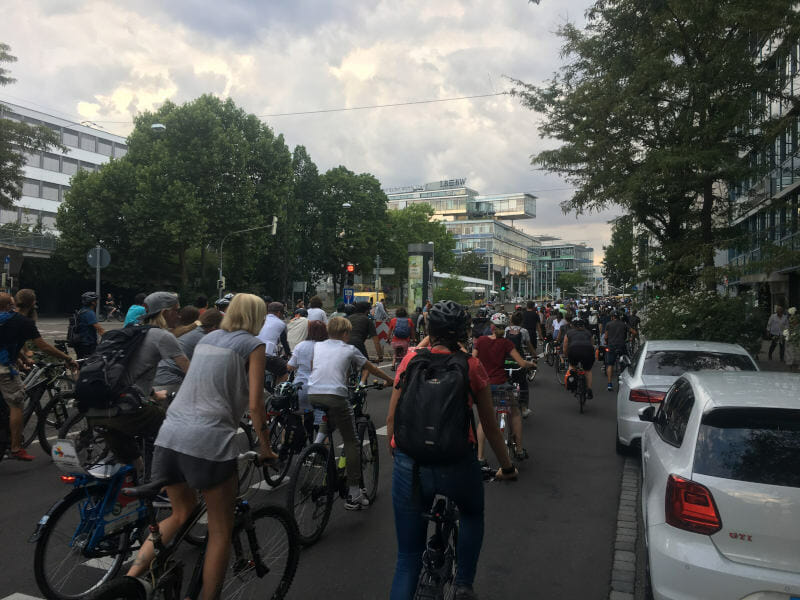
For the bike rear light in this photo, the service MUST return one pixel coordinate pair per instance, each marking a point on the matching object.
(690, 506)
(646, 396)
(68, 478)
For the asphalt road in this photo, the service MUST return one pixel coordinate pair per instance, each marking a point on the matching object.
(549, 535)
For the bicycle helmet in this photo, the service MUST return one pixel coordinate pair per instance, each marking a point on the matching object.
(482, 313)
(88, 297)
(578, 323)
(223, 302)
(349, 309)
(499, 319)
(447, 319)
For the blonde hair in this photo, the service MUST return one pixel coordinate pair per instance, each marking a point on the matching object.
(338, 327)
(246, 312)
(157, 319)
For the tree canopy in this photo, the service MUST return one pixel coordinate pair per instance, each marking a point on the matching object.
(619, 267)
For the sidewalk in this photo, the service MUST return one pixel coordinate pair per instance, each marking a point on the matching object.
(765, 364)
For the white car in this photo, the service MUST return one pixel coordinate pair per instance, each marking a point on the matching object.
(721, 488)
(656, 365)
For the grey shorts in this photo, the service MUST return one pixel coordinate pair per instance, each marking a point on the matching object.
(198, 473)
(12, 390)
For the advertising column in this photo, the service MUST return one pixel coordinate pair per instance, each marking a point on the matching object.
(419, 274)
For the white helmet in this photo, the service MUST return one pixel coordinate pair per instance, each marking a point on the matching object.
(499, 319)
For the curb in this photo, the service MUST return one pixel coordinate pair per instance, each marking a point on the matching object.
(623, 571)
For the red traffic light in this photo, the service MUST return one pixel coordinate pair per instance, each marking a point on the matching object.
(350, 267)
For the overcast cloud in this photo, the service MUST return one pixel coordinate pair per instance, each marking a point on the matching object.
(105, 61)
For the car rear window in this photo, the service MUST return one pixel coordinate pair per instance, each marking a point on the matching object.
(750, 444)
(678, 362)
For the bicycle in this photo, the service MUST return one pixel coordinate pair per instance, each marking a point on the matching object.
(549, 352)
(504, 397)
(559, 364)
(318, 473)
(578, 385)
(111, 312)
(265, 545)
(287, 431)
(440, 559)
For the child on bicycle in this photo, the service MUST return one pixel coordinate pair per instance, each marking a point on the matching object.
(327, 386)
(492, 350)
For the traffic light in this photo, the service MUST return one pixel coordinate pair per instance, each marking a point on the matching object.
(502, 285)
(350, 269)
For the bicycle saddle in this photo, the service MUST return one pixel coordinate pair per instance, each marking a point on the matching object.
(147, 490)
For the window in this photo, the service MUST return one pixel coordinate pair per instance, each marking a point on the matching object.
(673, 415)
(64, 190)
(677, 362)
(49, 191)
(33, 159)
(9, 215)
(105, 147)
(48, 220)
(70, 138)
(88, 142)
(69, 166)
(30, 187)
(759, 445)
(51, 162)
(120, 150)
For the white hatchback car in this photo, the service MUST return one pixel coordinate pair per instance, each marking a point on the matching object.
(721, 488)
(656, 365)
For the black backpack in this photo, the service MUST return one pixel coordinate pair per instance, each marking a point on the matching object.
(516, 339)
(433, 416)
(73, 329)
(104, 379)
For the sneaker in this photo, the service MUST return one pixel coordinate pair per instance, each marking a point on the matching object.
(589, 394)
(21, 454)
(610, 388)
(526, 412)
(464, 593)
(357, 503)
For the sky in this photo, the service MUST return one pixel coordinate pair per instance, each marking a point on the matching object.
(105, 61)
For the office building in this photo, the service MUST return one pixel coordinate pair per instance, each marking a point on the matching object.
(47, 174)
(551, 259)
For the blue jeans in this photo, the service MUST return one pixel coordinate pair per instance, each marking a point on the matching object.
(463, 484)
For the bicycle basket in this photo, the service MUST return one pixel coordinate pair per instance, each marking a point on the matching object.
(503, 395)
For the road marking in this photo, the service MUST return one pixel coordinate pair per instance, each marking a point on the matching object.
(381, 430)
(264, 485)
(19, 596)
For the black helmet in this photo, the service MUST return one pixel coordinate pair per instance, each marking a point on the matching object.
(349, 309)
(88, 297)
(223, 302)
(447, 319)
(482, 313)
(578, 323)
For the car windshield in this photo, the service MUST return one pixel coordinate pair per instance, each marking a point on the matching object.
(750, 444)
(678, 362)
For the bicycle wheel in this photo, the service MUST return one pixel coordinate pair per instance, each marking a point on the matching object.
(309, 496)
(30, 417)
(63, 567)
(89, 442)
(558, 371)
(102, 316)
(370, 464)
(581, 393)
(549, 357)
(124, 588)
(530, 374)
(275, 544)
(58, 410)
(274, 473)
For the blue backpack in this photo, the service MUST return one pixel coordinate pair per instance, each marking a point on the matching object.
(402, 329)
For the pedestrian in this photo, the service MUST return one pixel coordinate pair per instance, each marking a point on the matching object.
(401, 330)
(315, 312)
(15, 330)
(363, 328)
(88, 326)
(379, 312)
(135, 310)
(778, 322)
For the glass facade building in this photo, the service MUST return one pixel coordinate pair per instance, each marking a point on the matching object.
(551, 260)
(47, 174)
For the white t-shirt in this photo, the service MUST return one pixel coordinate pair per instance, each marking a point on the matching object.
(332, 358)
(296, 331)
(270, 334)
(557, 326)
(317, 314)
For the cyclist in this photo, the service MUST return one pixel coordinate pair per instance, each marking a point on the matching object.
(222, 304)
(123, 423)
(480, 324)
(491, 351)
(135, 310)
(593, 324)
(196, 446)
(578, 348)
(414, 486)
(521, 338)
(633, 323)
(400, 337)
(616, 333)
(15, 330)
(300, 363)
(273, 332)
(315, 312)
(532, 322)
(327, 386)
(88, 327)
(362, 328)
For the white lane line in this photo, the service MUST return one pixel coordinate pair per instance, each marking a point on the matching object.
(264, 485)
(381, 430)
(18, 596)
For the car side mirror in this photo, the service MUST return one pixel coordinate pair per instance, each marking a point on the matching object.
(647, 414)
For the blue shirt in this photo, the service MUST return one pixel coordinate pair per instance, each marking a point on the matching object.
(133, 315)
(86, 331)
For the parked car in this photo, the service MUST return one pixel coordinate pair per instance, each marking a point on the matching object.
(654, 368)
(721, 487)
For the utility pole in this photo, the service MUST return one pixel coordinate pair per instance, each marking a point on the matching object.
(378, 273)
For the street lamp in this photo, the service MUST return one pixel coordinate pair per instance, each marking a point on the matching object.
(221, 280)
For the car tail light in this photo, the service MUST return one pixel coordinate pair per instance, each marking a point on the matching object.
(690, 506)
(68, 478)
(646, 396)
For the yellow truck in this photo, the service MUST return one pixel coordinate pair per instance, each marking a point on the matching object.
(371, 297)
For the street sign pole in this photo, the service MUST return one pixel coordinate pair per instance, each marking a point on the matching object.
(97, 281)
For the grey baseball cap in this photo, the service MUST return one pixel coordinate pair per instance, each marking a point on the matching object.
(158, 301)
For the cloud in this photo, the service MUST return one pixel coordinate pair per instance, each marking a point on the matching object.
(106, 62)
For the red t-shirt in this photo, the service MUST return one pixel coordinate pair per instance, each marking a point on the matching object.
(492, 354)
(478, 379)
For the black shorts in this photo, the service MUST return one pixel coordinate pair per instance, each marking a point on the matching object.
(614, 353)
(197, 473)
(581, 354)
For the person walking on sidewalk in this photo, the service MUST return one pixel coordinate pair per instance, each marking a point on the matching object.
(777, 324)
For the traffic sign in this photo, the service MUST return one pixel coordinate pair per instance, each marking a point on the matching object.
(383, 271)
(98, 258)
(8, 259)
(349, 294)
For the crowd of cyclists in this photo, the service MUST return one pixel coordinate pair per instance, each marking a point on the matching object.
(197, 369)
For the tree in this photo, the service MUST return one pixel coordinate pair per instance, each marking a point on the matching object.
(655, 108)
(451, 289)
(470, 264)
(570, 281)
(16, 138)
(618, 265)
